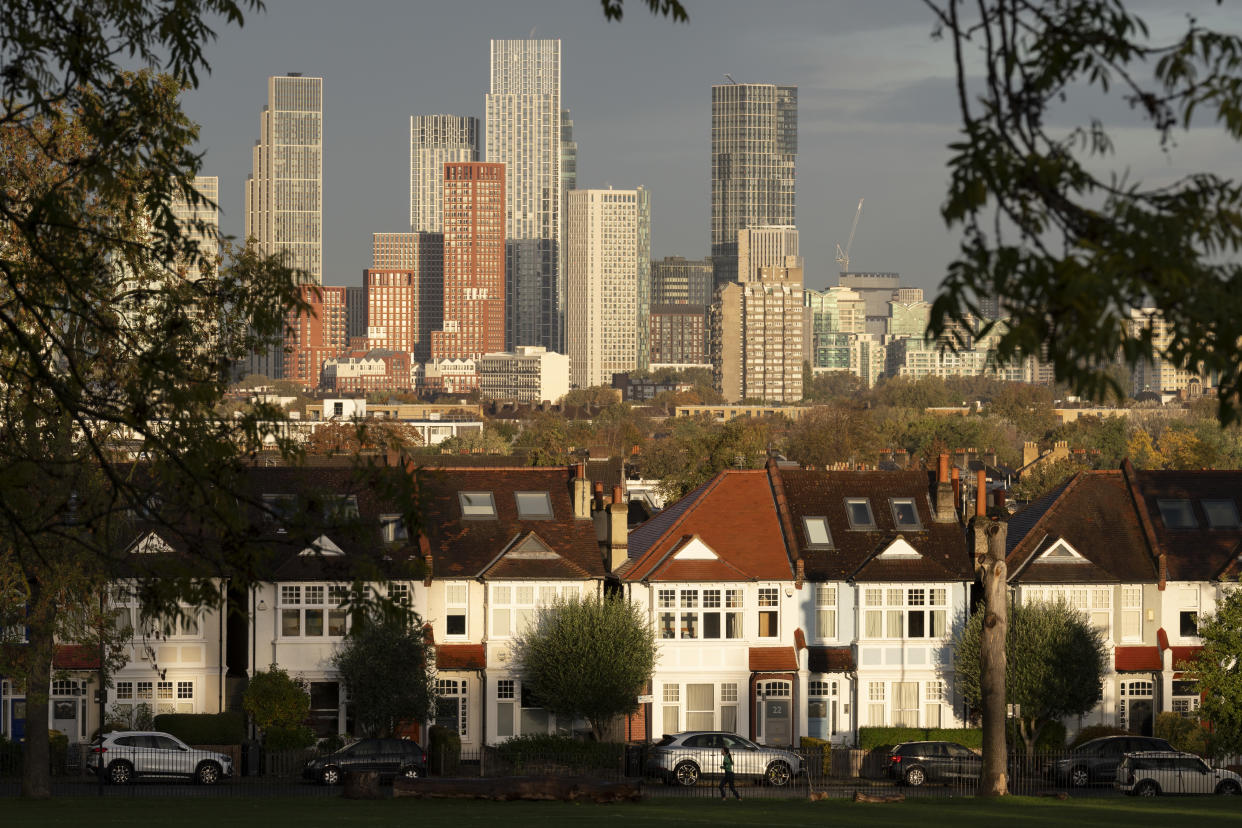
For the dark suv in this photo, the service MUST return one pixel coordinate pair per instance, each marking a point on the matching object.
(1095, 762)
(388, 757)
(917, 762)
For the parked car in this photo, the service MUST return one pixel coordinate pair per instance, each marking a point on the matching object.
(124, 755)
(388, 757)
(1152, 773)
(1096, 761)
(917, 762)
(685, 758)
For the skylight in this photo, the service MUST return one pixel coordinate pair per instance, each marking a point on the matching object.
(477, 505)
(858, 510)
(1221, 514)
(905, 513)
(817, 534)
(533, 505)
(1177, 514)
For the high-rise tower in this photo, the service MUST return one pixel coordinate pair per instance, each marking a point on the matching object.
(436, 140)
(524, 132)
(284, 193)
(754, 147)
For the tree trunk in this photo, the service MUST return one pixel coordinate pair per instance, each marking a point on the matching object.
(36, 760)
(993, 780)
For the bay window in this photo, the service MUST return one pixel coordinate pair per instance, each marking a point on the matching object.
(692, 614)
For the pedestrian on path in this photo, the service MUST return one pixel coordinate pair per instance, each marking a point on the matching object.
(727, 764)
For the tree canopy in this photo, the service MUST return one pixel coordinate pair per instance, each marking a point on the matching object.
(279, 705)
(587, 658)
(386, 664)
(1218, 670)
(1054, 660)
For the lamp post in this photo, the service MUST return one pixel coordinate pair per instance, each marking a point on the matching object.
(103, 683)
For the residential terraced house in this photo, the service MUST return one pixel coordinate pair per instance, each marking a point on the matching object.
(1143, 553)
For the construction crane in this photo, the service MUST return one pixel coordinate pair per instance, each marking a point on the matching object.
(843, 256)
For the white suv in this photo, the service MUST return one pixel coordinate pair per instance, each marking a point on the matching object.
(1156, 772)
(124, 755)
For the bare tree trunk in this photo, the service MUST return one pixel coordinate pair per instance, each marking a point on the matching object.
(36, 759)
(993, 781)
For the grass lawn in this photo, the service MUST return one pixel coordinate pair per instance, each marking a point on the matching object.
(242, 812)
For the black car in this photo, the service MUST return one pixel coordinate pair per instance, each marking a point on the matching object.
(388, 757)
(917, 762)
(1095, 762)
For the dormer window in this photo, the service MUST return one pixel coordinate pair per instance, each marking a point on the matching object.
(905, 513)
(280, 508)
(477, 505)
(1177, 514)
(338, 508)
(533, 505)
(1221, 514)
(817, 534)
(393, 528)
(858, 510)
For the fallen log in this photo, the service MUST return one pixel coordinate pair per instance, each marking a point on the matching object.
(859, 796)
(556, 788)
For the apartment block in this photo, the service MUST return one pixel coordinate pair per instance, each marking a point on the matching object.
(436, 140)
(758, 335)
(315, 334)
(760, 246)
(529, 374)
(679, 335)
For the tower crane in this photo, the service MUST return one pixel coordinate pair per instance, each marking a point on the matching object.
(843, 256)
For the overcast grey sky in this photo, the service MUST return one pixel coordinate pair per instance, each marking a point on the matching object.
(876, 110)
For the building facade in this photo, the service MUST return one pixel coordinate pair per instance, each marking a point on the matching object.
(754, 150)
(876, 289)
(676, 280)
(284, 193)
(529, 374)
(314, 335)
(760, 246)
(758, 335)
(436, 140)
(524, 132)
(679, 335)
(604, 263)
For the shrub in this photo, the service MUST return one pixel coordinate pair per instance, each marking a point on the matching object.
(288, 738)
(58, 751)
(1095, 732)
(1183, 734)
(583, 755)
(444, 749)
(1051, 739)
(811, 745)
(204, 728)
(870, 738)
(10, 758)
(331, 744)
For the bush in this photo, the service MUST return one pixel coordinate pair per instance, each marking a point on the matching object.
(288, 738)
(811, 745)
(870, 738)
(331, 744)
(1183, 734)
(204, 728)
(1051, 739)
(580, 754)
(444, 750)
(1095, 732)
(58, 751)
(10, 758)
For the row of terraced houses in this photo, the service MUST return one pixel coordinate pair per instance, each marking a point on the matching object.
(787, 602)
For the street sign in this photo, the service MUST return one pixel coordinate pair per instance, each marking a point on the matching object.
(646, 699)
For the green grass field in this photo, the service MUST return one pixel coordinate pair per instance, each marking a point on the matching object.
(339, 813)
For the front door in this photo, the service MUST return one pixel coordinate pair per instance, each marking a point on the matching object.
(775, 712)
(65, 718)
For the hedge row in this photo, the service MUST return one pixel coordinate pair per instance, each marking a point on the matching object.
(563, 749)
(204, 728)
(870, 738)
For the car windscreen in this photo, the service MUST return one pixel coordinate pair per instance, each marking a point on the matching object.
(667, 740)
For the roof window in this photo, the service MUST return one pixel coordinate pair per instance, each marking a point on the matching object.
(817, 534)
(1221, 514)
(1177, 514)
(533, 505)
(477, 505)
(905, 513)
(858, 510)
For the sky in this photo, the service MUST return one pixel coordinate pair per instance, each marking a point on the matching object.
(876, 110)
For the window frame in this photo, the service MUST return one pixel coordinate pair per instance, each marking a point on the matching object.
(1217, 503)
(462, 502)
(326, 604)
(806, 532)
(849, 514)
(680, 609)
(543, 514)
(894, 503)
(1166, 507)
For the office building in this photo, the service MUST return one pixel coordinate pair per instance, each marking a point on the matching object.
(757, 337)
(200, 223)
(678, 335)
(838, 315)
(436, 140)
(473, 319)
(603, 263)
(524, 132)
(284, 193)
(754, 149)
(643, 251)
(531, 374)
(676, 280)
(877, 290)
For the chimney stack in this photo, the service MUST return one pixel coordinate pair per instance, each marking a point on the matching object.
(618, 530)
(580, 492)
(599, 496)
(943, 499)
(981, 494)
(957, 488)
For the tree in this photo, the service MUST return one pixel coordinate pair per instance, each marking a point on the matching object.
(1066, 240)
(363, 435)
(486, 440)
(600, 396)
(1042, 478)
(1218, 670)
(279, 705)
(1054, 660)
(545, 437)
(587, 658)
(829, 386)
(386, 664)
(696, 448)
(837, 433)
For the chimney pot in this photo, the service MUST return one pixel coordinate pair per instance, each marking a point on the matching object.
(981, 494)
(616, 494)
(943, 471)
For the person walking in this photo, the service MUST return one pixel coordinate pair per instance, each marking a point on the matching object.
(727, 764)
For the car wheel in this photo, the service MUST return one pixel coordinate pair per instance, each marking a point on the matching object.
(1228, 788)
(1147, 789)
(915, 776)
(778, 774)
(330, 775)
(411, 772)
(208, 773)
(687, 774)
(120, 773)
(1080, 777)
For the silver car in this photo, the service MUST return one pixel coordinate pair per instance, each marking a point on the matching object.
(685, 758)
(124, 755)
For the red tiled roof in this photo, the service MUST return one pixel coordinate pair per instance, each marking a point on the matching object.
(1131, 659)
(772, 659)
(75, 657)
(1181, 654)
(461, 657)
(830, 659)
